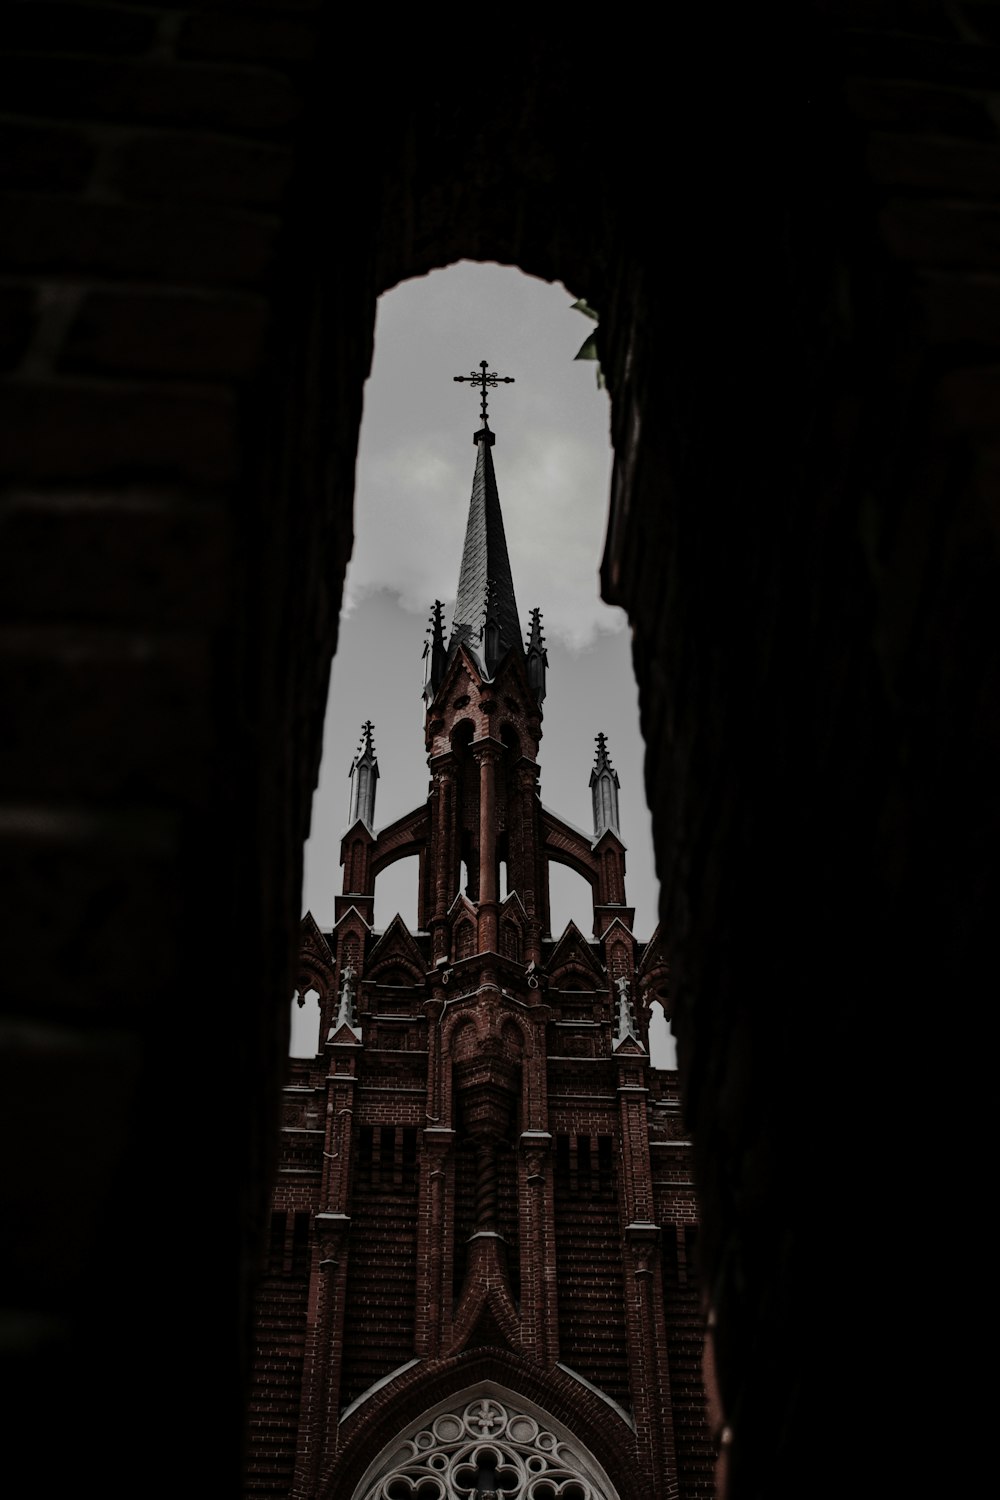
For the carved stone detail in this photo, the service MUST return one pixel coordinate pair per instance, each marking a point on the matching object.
(510, 1452)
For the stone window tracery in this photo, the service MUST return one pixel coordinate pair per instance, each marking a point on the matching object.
(510, 1450)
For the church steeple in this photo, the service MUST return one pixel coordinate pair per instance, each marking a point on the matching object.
(486, 619)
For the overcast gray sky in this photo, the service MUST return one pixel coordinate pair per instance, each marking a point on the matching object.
(416, 460)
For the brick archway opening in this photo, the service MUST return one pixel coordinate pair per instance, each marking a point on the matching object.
(413, 474)
(795, 267)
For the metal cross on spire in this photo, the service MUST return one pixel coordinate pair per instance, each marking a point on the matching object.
(488, 378)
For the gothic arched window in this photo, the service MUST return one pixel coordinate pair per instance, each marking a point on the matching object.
(485, 1443)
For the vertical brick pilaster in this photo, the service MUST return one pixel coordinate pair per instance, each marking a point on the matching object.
(317, 1434)
(487, 753)
(435, 1233)
(438, 887)
(527, 799)
(648, 1368)
(328, 1282)
(539, 1296)
(341, 1084)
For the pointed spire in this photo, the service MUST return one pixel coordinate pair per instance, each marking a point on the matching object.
(485, 586)
(604, 785)
(435, 654)
(364, 775)
(538, 657)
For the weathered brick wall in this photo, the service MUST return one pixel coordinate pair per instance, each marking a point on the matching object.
(685, 1320)
(592, 1330)
(168, 407)
(803, 537)
(381, 1283)
(280, 1312)
(684, 1303)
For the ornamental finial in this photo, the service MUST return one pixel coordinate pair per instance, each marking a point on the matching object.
(364, 775)
(488, 378)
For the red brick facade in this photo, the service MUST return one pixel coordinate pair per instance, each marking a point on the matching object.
(484, 1207)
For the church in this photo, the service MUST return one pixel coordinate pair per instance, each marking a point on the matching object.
(481, 1276)
(786, 217)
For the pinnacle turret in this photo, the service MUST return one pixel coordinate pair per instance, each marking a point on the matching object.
(435, 652)
(364, 775)
(537, 656)
(604, 785)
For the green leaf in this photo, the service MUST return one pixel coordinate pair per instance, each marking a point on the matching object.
(586, 309)
(588, 349)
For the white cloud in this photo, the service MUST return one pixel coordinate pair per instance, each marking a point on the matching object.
(416, 458)
(414, 477)
(408, 522)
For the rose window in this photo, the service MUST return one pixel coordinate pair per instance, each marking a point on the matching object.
(486, 1448)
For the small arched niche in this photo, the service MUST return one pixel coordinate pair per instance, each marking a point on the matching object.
(304, 1040)
(662, 1047)
(462, 735)
(511, 742)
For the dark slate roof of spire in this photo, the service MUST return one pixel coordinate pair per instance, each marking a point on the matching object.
(485, 577)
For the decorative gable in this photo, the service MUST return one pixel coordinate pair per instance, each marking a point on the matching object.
(395, 953)
(464, 927)
(315, 969)
(312, 940)
(457, 698)
(573, 957)
(654, 975)
(513, 920)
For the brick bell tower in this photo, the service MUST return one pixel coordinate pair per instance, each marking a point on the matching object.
(481, 1276)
